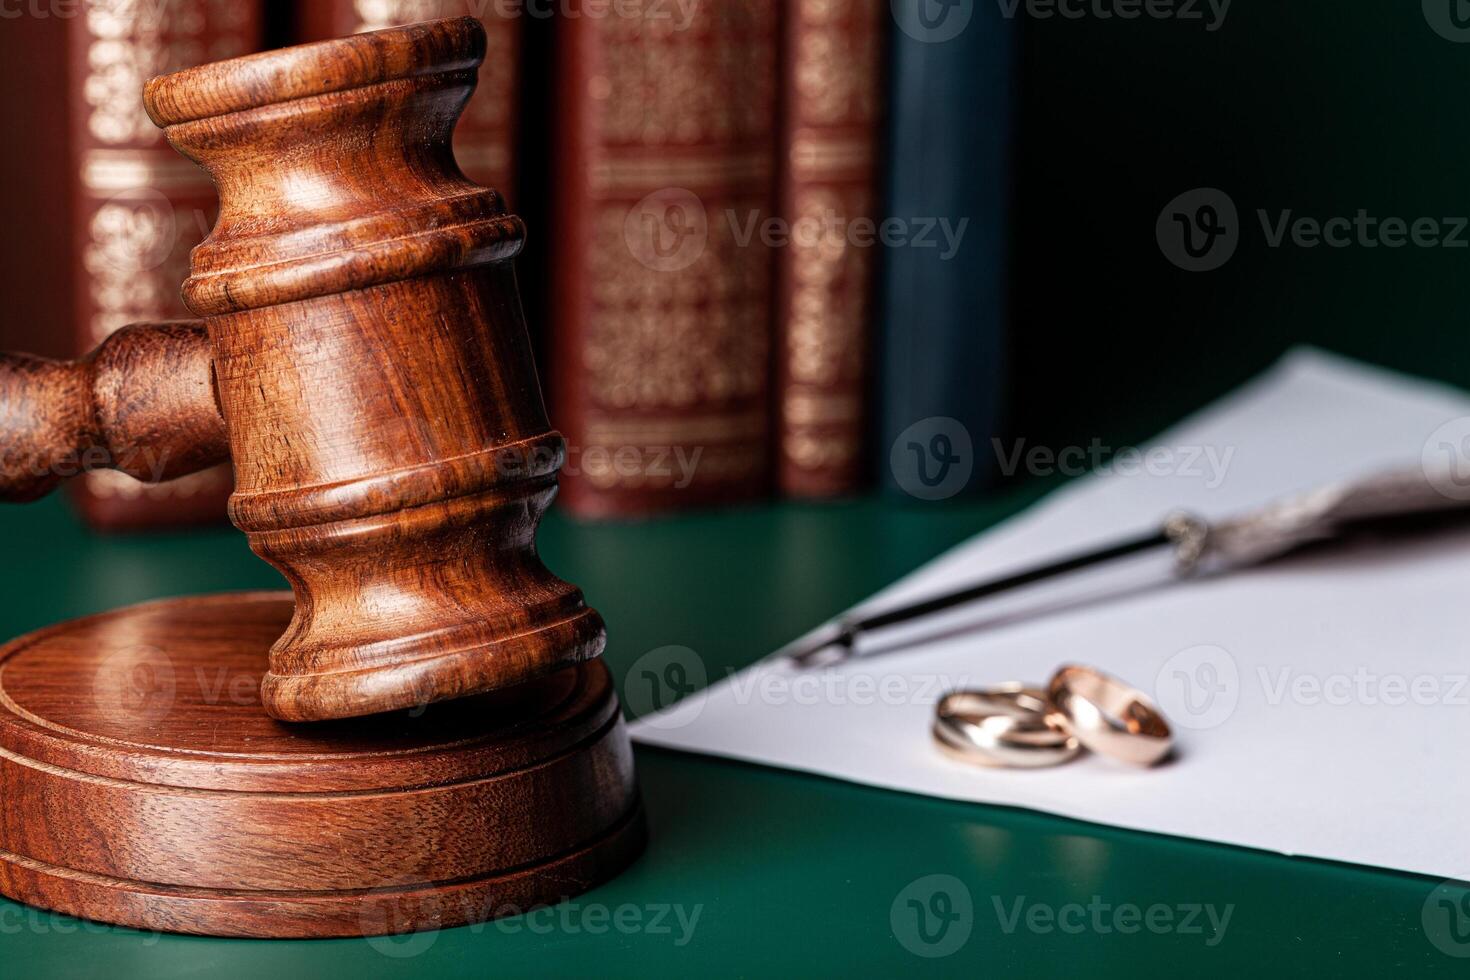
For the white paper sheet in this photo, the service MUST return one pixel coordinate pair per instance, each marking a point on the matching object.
(1339, 725)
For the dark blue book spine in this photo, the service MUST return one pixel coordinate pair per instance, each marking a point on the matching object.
(942, 293)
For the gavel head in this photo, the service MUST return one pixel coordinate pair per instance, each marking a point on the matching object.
(391, 448)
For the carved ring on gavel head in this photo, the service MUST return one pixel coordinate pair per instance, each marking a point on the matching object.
(391, 449)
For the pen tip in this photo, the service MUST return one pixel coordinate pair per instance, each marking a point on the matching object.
(829, 645)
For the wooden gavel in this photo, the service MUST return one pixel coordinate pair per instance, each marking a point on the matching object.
(363, 360)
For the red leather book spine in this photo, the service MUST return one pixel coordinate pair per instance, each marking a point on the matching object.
(661, 320)
(831, 87)
(138, 207)
(485, 139)
(35, 192)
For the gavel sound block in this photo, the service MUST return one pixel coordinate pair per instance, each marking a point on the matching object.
(363, 361)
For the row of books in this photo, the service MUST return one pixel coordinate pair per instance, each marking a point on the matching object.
(710, 177)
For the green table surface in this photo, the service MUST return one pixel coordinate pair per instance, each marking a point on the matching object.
(773, 873)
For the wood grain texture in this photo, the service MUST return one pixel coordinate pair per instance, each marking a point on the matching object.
(371, 361)
(144, 785)
(392, 451)
(141, 403)
(487, 139)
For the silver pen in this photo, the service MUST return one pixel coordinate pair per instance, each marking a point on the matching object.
(1383, 501)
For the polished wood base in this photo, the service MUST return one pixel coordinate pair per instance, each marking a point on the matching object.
(143, 785)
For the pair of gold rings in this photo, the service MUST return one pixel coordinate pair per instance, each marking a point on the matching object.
(1026, 727)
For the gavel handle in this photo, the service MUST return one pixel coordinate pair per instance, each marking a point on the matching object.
(143, 402)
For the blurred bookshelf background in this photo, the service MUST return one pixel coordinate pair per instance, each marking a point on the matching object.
(823, 248)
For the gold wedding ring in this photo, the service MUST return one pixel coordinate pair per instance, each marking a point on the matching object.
(1023, 727)
(1001, 726)
(1107, 716)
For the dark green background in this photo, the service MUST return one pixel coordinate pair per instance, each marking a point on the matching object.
(1318, 106)
(793, 875)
